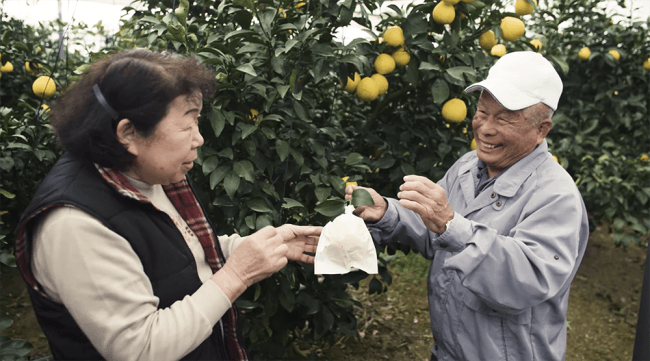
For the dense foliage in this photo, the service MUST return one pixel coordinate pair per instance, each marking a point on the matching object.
(281, 132)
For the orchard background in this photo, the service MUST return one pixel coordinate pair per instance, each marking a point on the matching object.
(285, 126)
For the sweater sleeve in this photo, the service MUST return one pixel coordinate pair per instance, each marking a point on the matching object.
(230, 243)
(99, 278)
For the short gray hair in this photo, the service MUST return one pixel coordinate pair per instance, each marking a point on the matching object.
(538, 112)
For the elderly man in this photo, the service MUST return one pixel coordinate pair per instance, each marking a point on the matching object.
(506, 228)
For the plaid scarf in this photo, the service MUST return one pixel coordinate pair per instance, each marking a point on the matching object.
(182, 197)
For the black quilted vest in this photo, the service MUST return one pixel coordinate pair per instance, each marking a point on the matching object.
(165, 256)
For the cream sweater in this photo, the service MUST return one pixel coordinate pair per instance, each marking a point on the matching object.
(96, 274)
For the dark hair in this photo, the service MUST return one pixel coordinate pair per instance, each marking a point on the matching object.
(139, 85)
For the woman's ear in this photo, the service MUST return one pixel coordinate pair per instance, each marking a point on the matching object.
(127, 136)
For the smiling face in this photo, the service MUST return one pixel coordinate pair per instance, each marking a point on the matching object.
(503, 136)
(166, 155)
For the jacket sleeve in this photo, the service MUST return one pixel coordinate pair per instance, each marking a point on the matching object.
(404, 226)
(99, 278)
(529, 265)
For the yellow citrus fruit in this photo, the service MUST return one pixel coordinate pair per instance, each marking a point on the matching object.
(382, 83)
(584, 53)
(44, 87)
(454, 110)
(384, 64)
(646, 64)
(523, 7)
(299, 5)
(644, 158)
(557, 160)
(255, 115)
(443, 13)
(394, 36)
(512, 28)
(351, 85)
(498, 50)
(473, 144)
(345, 179)
(46, 108)
(537, 44)
(615, 54)
(7, 68)
(451, 2)
(367, 89)
(401, 57)
(487, 40)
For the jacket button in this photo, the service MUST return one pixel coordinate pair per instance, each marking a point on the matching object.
(556, 257)
(478, 176)
(499, 203)
(493, 195)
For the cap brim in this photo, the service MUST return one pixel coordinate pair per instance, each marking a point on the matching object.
(508, 96)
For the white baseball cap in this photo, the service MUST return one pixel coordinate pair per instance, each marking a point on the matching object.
(521, 79)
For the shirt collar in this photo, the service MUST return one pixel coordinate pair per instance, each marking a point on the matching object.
(517, 173)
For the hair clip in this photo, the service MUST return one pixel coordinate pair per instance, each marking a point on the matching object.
(104, 103)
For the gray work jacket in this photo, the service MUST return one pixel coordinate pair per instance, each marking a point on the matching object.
(500, 274)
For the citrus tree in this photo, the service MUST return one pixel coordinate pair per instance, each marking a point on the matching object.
(297, 111)
(34, 68)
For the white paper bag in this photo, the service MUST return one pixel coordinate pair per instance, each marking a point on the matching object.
(345, 245)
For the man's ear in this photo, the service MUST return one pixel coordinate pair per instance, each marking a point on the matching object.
(127, 136)
(543, 127)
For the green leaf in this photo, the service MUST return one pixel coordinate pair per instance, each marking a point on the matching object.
(7, 194)
(5, 321)
(282, 148)
(331, 208)
(311, 304)
(217, 121)
(263, 221)
(323, 321)
(218, 175)
(7, 259)
(375, 286)
(248, 69)
(353, 158)
(244, 169)
(361, 197)
(246, 304)
(16, 347)
(428, 66)
(440, 91)
(291, 203)
(231, 183)
(210, 164)
(259, 204)
(322, 193)
(458, 72)
(246, 129)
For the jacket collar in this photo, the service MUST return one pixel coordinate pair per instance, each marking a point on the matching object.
(517, 173)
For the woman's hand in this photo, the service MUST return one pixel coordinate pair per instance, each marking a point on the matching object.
(257, 257)
(300, 240)
(264, 253)
(368, 213)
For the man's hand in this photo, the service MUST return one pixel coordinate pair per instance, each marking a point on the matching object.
(300, 240)
(368, 213)
(427, 199)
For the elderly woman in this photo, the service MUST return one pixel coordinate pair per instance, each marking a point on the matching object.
(121, 261)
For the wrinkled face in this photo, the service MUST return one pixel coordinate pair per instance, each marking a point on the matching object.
(503, 136)
(166, 155)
